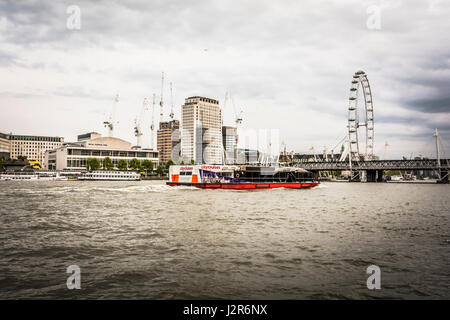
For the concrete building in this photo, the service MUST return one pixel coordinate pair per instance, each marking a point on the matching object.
(229, 139)
(74, 155)
(32, 147)
(168, 140)
(5, 146)
(201, 130)
(88, 136)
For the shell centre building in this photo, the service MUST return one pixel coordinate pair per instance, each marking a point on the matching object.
(201, 130)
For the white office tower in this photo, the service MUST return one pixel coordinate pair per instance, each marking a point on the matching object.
(201, 131)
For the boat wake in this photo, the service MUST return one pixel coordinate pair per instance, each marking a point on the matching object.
(321, 186)
(86, 189)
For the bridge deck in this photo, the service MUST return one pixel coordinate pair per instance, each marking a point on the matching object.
(430, 164)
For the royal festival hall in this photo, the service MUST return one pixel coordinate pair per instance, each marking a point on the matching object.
(74, 155)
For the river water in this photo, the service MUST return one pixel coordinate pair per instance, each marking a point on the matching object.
(147, 240)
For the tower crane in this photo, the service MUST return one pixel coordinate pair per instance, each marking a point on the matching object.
(161, 102)
(152, 126)
(237, 115)
(171, 102)
(137, 124)
(110, 122)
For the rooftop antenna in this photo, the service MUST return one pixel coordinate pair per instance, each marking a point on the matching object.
(152, 126)
(171, 102)
(161, 102)
(109, 123)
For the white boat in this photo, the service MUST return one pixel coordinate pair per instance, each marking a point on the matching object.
(110, 176)
(32, 175)
(19, 176)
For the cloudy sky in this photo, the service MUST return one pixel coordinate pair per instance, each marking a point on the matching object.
(288, 65)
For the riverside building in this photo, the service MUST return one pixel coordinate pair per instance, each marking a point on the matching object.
(168, 141)
(5, 148)
(32, 147)
(201, 131)
(74, 156)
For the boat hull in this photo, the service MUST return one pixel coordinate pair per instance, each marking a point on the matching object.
(245, 186)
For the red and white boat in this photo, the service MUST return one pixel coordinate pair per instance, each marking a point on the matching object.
(240, 177)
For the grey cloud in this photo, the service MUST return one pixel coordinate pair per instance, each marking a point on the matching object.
(432, 105)
(79, 92)
(6, 59)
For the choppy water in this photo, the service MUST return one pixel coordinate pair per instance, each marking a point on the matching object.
(145, 240)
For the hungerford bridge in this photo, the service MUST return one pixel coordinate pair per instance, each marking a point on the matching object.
(373, 169)
(361, 163)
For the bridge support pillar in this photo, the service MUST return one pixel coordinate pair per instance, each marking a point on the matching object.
(371, 175)
(379, 175)
(355, 177)
(316, 175)
(444, 176)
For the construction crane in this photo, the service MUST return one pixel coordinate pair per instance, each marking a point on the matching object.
(161, 102)
(152, 126)
(171, 102)
(137, 124)
(237, 115)
(110, 122)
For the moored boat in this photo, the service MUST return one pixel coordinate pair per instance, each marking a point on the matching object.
(36, 175)
(110, 176)
(19, 176)
(240, 177)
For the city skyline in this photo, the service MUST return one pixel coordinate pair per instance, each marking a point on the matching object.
(282, 67)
